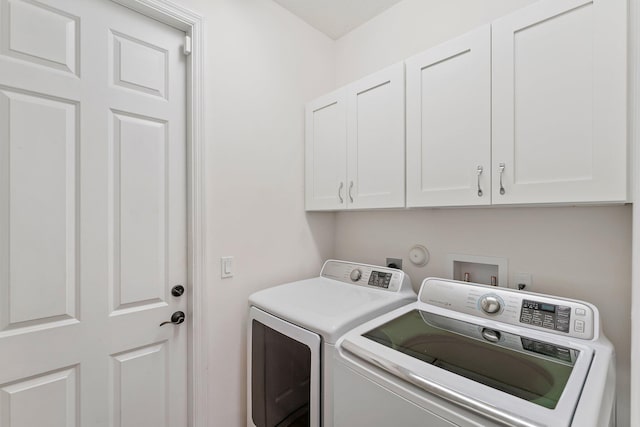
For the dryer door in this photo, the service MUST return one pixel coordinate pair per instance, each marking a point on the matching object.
(283, 373)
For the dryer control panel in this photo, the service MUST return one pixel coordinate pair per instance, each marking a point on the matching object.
(383, 278)
(536, 311)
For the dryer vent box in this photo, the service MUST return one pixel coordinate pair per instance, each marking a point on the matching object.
(479, 269)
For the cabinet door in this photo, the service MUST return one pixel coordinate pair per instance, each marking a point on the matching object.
(449, 123)
(326, 152)
(375, 125)
(559, 104)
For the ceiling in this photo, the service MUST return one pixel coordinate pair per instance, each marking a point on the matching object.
(335, 18)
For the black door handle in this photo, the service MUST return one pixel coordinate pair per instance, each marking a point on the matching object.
(176, 318)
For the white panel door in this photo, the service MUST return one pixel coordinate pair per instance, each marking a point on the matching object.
(559, 103)
(92, 216)
(375, 140)
(326, 152)
(449, 123)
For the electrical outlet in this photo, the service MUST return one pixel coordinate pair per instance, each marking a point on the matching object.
(394, 263)
(523, 281)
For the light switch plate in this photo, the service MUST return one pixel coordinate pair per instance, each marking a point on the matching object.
(226, 267)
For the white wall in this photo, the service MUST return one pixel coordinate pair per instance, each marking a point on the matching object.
(409, 27)
(576, 252)
(263, 64)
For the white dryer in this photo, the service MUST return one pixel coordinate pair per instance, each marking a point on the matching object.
(292, 331)
(475, 355)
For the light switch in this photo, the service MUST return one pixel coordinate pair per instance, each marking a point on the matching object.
(226, 266)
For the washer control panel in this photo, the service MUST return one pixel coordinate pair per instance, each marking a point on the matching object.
(536, 311)
(388, 279)
(545, 315)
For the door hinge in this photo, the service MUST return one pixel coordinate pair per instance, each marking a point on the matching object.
(187, 45)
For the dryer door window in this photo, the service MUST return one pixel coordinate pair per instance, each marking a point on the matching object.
(284, 373)
(281, 371)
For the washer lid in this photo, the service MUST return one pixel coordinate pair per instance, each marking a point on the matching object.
(530, 369)
(492, 369)
(325, 306)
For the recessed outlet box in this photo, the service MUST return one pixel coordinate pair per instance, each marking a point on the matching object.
(479, 269)
(397, 262)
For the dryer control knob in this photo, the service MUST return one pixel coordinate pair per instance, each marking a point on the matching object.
(490, 304)
(356, 274)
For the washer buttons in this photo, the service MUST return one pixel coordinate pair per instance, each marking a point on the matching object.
(579, 326)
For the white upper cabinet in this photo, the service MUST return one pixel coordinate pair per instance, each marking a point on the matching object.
(326, 152)
(375, 140)
(449, 123)
(530, 109)
(354, 145)
(559, 103)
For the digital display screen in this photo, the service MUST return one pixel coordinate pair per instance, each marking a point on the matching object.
(548, 307)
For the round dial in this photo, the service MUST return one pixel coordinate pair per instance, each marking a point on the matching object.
(356, 274)
(491, 335)
(490, 304)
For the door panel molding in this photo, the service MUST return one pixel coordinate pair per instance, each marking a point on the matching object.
(139, 242)
(38, 26)
(138, 366)
(55, 393)
(38, 161)
(192, 24)
(131, 57)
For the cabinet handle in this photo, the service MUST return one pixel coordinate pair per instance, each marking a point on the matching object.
(502, 191)
(350, 188)
(340, 192)
(479, 172)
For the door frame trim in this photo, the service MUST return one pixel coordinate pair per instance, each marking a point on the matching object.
(634, 184)
(193, 25)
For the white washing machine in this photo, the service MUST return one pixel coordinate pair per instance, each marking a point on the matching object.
(475, 355)
(292, 331)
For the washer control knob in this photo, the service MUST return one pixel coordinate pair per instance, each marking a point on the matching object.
(490, 304)
(356, 274)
